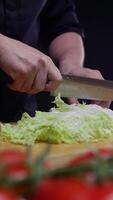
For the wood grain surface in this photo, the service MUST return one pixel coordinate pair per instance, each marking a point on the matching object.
(59, 154)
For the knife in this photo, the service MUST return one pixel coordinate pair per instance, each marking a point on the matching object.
(85, 88)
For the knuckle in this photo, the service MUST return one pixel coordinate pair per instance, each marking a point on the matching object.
(58, 77)
(27, 71)
(23, 72)
(49, 62)
(42, 62)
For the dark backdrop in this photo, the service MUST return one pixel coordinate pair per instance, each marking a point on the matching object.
(96, 16)
(97, 20)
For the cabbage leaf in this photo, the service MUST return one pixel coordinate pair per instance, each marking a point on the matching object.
(63, 124)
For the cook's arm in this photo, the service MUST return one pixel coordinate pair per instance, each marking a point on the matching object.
(68, 52)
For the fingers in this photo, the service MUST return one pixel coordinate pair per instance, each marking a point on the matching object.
(73, 100)
(46, 78)
(104, 104)
(96, 74)
(23, 82)
(30, 69)
(39, 82)
(54, 77)
(21, 85)
(91, 73)
(86, 72)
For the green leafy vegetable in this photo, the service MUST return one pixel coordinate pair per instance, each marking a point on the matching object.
(63, 124)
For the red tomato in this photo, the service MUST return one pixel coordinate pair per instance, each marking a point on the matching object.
(103, 191)
(62, 189)
(91, 155)
(11, 156)
(82, 158)
(5, 194)
(83, 187)
(18, 172)
(106, 191)
(14, 156)
(105, 152)
(72, 189)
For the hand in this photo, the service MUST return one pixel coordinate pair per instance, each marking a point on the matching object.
(31, 70)
(86, 72)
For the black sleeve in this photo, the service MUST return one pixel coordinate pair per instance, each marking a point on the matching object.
(58, 17)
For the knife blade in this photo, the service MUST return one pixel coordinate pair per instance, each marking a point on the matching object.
(85, 88)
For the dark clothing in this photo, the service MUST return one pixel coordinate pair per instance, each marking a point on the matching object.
(26, 21)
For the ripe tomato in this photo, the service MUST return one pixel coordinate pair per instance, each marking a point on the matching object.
(6, 194)
(12, 156)
(83, 158)
(18, 173)
(103, 191)
(72, 189)
(91, 155)
(77, 188)
(62, 189)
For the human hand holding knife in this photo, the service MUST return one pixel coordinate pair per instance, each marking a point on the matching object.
(77, 86)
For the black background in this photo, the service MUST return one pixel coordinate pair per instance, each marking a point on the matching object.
(96, 17)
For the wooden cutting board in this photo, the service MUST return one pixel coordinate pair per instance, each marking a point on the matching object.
(59, 154)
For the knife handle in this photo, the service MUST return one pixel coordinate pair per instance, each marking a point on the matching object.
(4, 78)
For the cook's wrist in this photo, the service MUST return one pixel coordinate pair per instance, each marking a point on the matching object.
(68, 66)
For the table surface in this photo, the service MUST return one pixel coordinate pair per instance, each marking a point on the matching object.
(59, 154)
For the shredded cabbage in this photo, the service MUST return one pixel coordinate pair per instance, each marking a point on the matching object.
(63, 124)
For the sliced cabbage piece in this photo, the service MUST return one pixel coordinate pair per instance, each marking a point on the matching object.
(63, 124)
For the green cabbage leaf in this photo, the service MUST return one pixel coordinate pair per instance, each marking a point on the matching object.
(63, 124)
